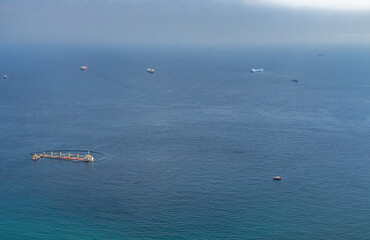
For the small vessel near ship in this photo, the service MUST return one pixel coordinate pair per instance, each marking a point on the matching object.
(83, 68)
(88, 157)
(254, 70)
(150, 70)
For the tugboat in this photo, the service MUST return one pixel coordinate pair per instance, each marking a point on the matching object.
(83, 68)
(5, 76)
(150, 70)
(36, 157)
(254, 70)
(277, 178)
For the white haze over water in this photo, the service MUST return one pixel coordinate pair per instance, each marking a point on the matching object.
(185, 22)
(343, 5)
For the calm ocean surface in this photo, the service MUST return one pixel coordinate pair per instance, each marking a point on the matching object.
(191, 150)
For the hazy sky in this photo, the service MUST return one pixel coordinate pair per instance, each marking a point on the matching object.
(185, 22)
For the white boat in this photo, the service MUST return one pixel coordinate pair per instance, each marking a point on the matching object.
(83, 68)
(254, 70)
(5, 76)
(150, 70)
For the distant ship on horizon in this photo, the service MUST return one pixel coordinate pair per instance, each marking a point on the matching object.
(150, 70)
(83, 68)
(254, 70)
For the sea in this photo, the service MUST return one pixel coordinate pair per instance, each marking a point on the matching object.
(191, 150)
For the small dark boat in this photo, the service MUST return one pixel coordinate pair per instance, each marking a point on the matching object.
(295, 80)
(277, 178)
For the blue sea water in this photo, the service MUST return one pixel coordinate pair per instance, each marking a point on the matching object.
(191, 150)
